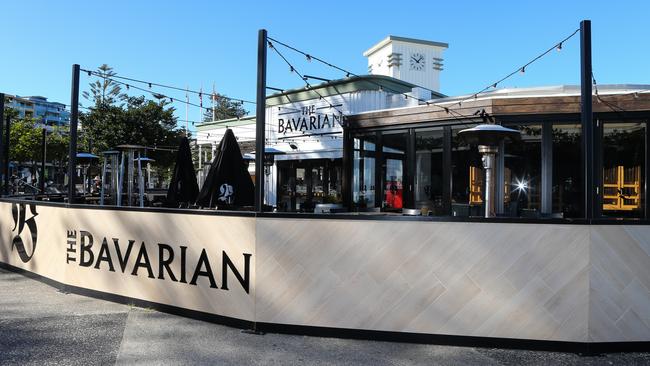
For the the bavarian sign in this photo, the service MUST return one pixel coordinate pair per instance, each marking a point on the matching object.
(308, 119)
(198, 262)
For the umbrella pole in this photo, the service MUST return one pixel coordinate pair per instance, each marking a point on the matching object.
(121, 181)
(101, 194)
(140, 181)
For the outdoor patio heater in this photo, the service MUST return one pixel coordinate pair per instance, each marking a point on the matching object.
(488, 137)
(110, 166)
(85, 161)
(130, 156)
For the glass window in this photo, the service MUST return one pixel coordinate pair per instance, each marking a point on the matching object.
(567, 188)
(286, 186)
(467, 177)
(301, 188)
(428, 171)
(363, 174)
(317, 183)
(394, 161)
(623, 169)
(304, 183)
(522, 173)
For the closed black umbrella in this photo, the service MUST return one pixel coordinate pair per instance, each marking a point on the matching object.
(228, 182)
(183, 188)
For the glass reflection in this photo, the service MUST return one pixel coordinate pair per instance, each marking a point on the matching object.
(394, 158)
(567, 188)
(363, 175)
(522, 173)
(467, 177)
(623, 169)
(428, 171)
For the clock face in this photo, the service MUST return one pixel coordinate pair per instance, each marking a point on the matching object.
(416, 61)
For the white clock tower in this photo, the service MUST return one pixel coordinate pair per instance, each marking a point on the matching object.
(413, 60)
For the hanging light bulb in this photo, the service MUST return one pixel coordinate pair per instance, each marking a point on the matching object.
(559, 47)
(494, 85)
(149, 85)
(523, 70)
(291, 69)
(308, 57)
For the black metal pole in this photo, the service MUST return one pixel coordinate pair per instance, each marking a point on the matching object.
(586, 118)
(43, 156)
(260, 120)
(2, 119)
(74, 117)
(5, 154)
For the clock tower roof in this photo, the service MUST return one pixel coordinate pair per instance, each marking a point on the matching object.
(391, 39)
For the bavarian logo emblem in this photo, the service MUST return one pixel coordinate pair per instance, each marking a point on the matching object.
(19, 211)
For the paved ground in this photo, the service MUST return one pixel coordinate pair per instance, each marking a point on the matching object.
(41, 326)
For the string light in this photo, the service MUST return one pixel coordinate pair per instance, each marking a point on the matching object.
(302, 77)
(522, 69)
(158, 95)
(151, 84)
(611, 106)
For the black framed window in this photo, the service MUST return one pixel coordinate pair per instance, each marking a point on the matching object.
(302, 184)
(522, 173)
(394, 146)
(624, 169)
(541, 175)
(567, 190)
(429, 166)
(467, 176)
(363, 172)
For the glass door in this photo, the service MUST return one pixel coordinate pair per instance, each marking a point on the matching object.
(393, 184)
(393, 166)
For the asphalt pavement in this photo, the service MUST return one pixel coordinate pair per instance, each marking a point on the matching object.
(40, 325)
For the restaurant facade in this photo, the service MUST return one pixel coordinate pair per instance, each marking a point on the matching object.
(415, 158)
(304, 126)
(305, 134)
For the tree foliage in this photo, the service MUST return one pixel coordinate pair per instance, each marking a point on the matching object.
(224, 108)
(25, 140)
(104, 91)
(138, 122)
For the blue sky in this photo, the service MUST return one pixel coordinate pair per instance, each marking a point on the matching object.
(198, 43)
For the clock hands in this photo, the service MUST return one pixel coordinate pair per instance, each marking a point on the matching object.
(417, 60)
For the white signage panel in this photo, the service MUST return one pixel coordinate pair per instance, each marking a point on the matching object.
(198, 262)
